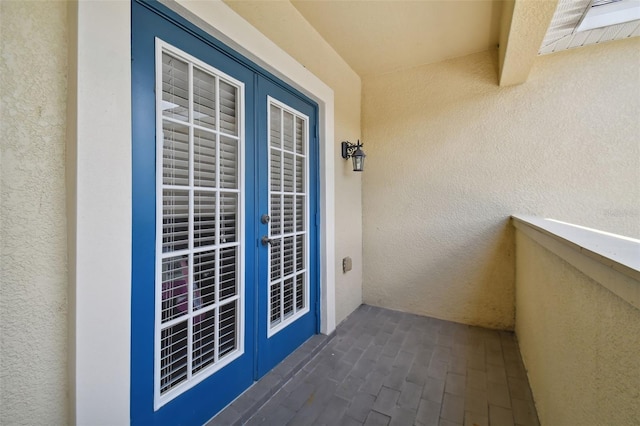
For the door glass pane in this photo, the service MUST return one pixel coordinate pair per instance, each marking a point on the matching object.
(175, 154)
(300, 259)
(204, 279)
(276, 170)
(288, 214)
(300, 213)
(288, 175)
(199, 196)
(228, 217)
(175, 88)
(300, 174)
(275, 224)
(287, 127)
(175, 287)
(300, 291)
(228, 108)
(173, 356)
(228, 162)
(228, 332)
(204, 341)
(288, 210)
(175, 220)
(228, 273)
(276, 260)
(289, 255)
(276, 303)
(204, 158)
(288, 298)
(204, 99)
(301, 135)
(204, 218)
(275, 130)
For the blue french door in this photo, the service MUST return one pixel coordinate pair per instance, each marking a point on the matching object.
(287, 195)
(224, 225)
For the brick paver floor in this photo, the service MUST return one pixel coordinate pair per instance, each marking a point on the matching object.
(385, 367)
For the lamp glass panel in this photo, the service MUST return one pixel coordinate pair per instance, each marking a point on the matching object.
(358, 163)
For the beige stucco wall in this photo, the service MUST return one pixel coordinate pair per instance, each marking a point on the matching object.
(285, 26)
(33, 302)
(579, 342)
(451, 155)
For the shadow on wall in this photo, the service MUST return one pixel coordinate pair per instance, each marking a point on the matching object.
(465, 276)
(484, 72)
(499, 264)
(482, 287)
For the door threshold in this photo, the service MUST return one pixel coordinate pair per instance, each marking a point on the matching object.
(248, 403)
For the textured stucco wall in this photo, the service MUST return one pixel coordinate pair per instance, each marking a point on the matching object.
(579, 342)
(285, 26)
(451, 155)
(33, 302)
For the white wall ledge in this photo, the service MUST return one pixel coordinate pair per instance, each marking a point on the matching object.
(611, 260)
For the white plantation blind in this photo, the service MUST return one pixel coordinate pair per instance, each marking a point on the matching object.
(198, 257)
(289, 211)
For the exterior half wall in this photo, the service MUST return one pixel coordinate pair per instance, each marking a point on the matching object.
(579, 341)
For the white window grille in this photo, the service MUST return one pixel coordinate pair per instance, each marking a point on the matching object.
(199, 221)
(289, 209)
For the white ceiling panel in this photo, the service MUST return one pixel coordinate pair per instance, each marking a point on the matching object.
(562, 33)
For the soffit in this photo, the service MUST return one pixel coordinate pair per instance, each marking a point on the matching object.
(376, 37)
(562, 34)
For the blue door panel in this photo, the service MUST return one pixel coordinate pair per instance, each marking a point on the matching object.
(198, 404)
(274, 349)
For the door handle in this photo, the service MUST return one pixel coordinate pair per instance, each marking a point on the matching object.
(266, 240)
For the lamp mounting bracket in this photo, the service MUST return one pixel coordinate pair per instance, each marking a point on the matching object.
(349, 148)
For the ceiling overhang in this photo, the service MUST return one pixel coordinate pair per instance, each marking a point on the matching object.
(523, 27)
(376, 37)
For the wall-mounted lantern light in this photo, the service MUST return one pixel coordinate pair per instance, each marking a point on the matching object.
(356, 153)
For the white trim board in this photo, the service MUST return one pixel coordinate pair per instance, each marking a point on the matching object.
(610, 260)
(99, 223)
(100, 142)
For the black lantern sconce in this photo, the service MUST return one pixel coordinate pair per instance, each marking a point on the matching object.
(356, 153)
